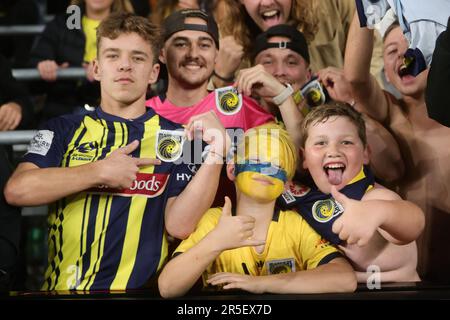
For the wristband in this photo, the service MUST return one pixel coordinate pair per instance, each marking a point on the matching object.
(286, 93)
(227, 80)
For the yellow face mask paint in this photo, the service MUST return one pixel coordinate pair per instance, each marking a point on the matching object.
(260, 181)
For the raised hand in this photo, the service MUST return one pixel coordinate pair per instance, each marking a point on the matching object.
(229, 57)
(359, 221)
(213, 132)
(233, 231)
(120, 169)
(338, 87)
(258, 81)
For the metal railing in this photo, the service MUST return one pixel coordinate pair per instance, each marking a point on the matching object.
(20, 30)
(64, 73)
(17, 138)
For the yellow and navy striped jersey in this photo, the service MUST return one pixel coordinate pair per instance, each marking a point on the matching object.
(291, 245)
(319, 209)
(102, 238)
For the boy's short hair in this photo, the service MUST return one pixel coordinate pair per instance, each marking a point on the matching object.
(394, 25)
(287, 151)
(324, 112)
(122, 23)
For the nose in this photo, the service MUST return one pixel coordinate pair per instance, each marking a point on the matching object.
(333, 151)
(279, 70)
(193, 51)
(124, 64)
(266, 3)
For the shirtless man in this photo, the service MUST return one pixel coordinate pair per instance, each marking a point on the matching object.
(424, 143)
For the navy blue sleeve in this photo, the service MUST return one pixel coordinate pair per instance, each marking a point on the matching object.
(48, 146)
(185, 169)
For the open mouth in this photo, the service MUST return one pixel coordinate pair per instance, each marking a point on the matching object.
(334, 172)
(270, 15)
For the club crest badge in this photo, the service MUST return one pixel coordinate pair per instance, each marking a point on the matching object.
(228, 100)
(325, 210)
(280, 266)
(294, 191)
(169, 145)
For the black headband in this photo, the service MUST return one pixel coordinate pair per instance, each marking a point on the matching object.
(297, 41)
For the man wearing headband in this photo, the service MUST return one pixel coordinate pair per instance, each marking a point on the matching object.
(189, 53)
(247, 247)
(191, 43)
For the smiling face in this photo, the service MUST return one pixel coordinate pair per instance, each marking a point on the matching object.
(284, 64)
(190, 56)
(268, 13)
(124, 68)
(334, 152)
(395, 46)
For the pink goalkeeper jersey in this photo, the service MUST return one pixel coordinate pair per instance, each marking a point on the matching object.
(247, 116)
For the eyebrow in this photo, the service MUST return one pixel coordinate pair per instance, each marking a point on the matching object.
(116, 50)
(180, 38)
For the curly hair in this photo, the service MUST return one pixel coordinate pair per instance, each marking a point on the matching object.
(305, 14)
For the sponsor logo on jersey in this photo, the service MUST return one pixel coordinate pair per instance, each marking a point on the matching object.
(322, 243)
(325, 210)
(169, 145)
(149, 185)
(293, 191)
(280, 266)
(85, 151)
(41, 142)
(228, 100)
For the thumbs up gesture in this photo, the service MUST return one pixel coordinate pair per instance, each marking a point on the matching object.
(234, 231)
(119, 169)
(359, 221)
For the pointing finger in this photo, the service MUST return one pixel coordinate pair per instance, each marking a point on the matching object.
(142, 162)
(130, 147)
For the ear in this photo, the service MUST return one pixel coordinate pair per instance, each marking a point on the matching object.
(96, 70)
(308, 74)
(154, 73)
(230, 171)
(366, 154)
(162, 55)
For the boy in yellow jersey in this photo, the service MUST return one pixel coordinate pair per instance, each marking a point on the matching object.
(259, 248)
(112, 200)
(377, 235)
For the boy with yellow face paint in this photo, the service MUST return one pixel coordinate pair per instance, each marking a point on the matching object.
(258, 248)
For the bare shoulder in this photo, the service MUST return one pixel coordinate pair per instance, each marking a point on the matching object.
(379, 192)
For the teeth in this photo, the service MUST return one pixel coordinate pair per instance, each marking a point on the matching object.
(334, 166)
(269, 14)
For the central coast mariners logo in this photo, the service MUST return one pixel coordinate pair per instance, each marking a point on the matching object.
(325, 210)
(280, 266)
(228, 100)
(169, 145)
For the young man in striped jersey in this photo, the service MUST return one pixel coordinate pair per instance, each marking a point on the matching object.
(111, 174)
